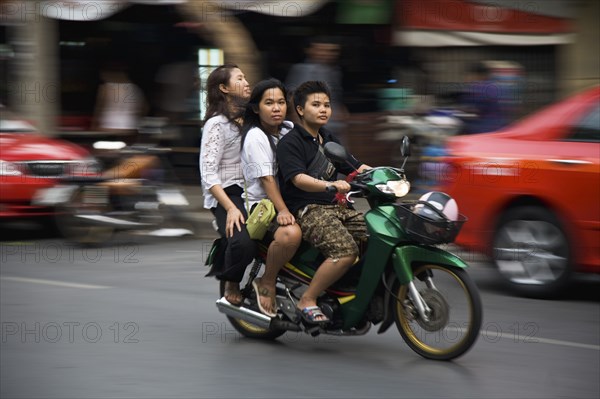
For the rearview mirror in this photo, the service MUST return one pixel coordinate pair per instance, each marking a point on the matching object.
(405, 148)
(335, 151)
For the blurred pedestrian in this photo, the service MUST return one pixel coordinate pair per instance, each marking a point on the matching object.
(120, 103)
(321, 64)
(175, 79)
(221, 173)
(482, 98)
(175, 87)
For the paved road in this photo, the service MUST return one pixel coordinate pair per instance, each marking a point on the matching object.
(137, 319)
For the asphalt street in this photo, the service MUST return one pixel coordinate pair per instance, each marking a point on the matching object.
(137, 319)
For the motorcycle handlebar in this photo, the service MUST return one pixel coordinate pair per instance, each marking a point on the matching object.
(331, 189)
(357, 186)
(353, 187)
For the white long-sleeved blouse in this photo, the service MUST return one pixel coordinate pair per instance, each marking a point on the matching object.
(220, 161)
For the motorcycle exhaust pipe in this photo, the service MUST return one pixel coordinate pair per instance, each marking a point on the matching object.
(240, 312)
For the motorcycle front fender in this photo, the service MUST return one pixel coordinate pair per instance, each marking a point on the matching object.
(406, 257)
(404, 260)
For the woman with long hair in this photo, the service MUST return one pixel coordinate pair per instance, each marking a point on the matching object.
(221, 173)
(264, 124)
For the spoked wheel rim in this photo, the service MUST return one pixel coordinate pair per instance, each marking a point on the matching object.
(531, 252)
(455, 318)
(440, 311)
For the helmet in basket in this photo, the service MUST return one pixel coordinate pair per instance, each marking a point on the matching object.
(442, 202)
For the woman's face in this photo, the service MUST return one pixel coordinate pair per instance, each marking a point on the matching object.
(272, 109)
(237, 85)
(317, 109)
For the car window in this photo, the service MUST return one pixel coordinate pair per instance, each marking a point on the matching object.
(587, 128)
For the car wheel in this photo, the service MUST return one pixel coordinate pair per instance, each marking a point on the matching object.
(531, 252)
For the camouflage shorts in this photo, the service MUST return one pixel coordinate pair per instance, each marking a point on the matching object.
(335, 231)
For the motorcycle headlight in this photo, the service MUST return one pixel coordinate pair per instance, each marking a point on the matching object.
(399, 188)
(9, 169)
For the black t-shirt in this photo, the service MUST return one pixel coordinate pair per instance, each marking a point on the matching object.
(295, 152)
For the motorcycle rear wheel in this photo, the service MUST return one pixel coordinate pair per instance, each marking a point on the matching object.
(78, 230)
(247, 329)
(456, 317)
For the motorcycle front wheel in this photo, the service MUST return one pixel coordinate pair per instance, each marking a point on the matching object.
(454, 316)
(248, 329)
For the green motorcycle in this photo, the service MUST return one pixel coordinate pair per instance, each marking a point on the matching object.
(402, 276)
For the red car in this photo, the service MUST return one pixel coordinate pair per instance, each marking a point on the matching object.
(30, 162)
(532, 194)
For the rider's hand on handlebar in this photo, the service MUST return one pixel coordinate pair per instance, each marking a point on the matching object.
(341, 186)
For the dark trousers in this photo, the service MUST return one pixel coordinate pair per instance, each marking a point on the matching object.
(240, 249)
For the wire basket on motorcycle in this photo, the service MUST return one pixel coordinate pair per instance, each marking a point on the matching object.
(426, 230)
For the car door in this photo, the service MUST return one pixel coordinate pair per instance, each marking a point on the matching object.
(579, 162)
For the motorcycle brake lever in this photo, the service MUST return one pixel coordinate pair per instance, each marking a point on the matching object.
(349, 193)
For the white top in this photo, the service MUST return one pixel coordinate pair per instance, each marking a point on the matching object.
(219, 157)
(121, 106)
(258, 160)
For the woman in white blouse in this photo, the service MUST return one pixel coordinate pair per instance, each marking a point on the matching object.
(221, 173)
(263, 126)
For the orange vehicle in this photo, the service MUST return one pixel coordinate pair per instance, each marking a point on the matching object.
(532, 194)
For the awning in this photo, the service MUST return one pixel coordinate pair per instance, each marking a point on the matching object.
(440, 23)
(88, 10)
(417, 38)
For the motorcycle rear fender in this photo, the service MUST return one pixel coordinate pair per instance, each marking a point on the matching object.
(405, 258)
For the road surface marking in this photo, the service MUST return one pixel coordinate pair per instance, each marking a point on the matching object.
(52, 282)
(528, 339)
(564, 343)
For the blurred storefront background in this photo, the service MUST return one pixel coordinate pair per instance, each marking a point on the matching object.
(396, 55)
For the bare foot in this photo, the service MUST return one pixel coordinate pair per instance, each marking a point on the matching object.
(232, 293)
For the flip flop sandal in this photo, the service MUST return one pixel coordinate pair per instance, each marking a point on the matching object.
(310, 313)
(265, 292)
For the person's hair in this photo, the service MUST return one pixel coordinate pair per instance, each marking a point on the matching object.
(251, 116)
(306, 89)
(216, 100)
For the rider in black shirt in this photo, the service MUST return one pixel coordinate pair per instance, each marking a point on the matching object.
(305, 175)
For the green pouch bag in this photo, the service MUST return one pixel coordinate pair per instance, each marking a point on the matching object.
(260, 218)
